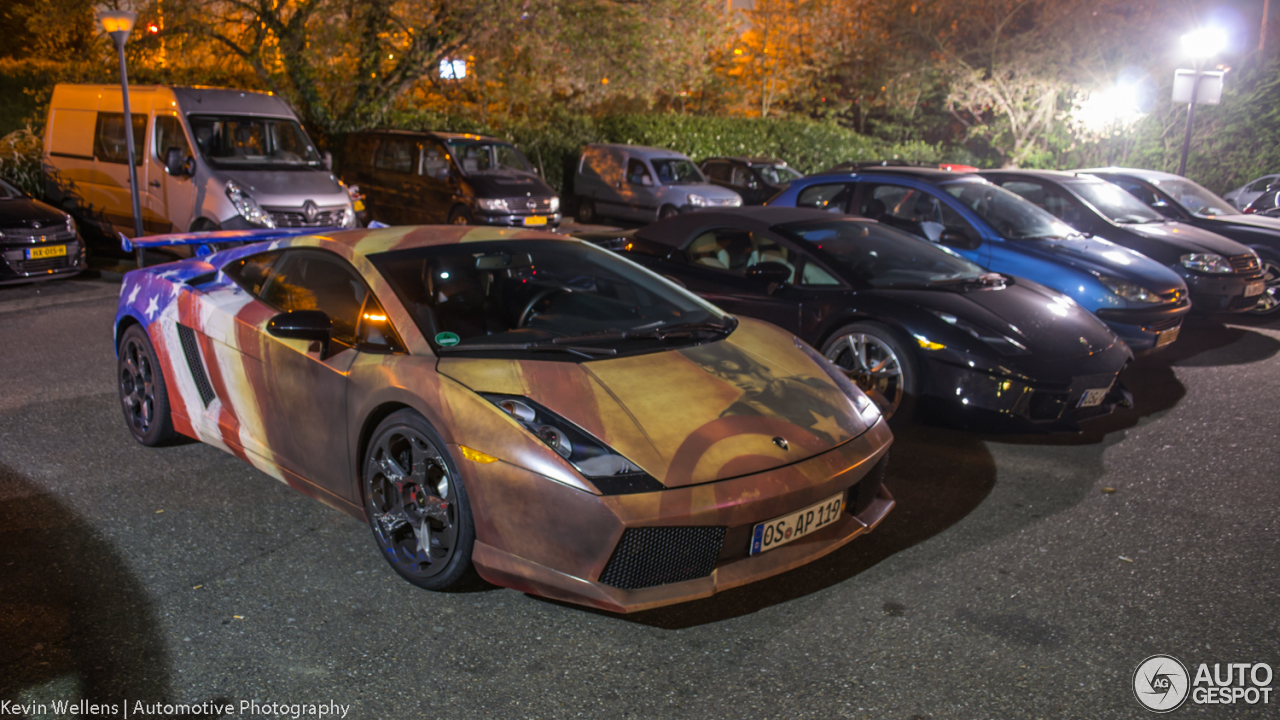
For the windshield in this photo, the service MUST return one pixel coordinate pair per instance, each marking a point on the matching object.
(492, 296)
(881, 256)
(777, 174)
(677, 171)
(1194, 198)
(9, 192)
(241, 140)
(1116, 204)
(476, 156)
(1011, 216)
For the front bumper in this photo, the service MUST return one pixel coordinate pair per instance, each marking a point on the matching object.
(1140, 328)
(516, 220)
(1222, 293)
(538, 536)
(15, 267)
(994, 403)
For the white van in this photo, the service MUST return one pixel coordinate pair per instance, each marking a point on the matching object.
(253, 165)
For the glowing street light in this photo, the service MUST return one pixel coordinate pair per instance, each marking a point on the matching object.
(118, 24)
(1199, 45)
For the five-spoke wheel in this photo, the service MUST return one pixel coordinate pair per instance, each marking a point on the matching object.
(142, 389)
(874, 359)
(1270, 300)
(416, 503)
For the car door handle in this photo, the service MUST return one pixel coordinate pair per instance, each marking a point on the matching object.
(154, 183)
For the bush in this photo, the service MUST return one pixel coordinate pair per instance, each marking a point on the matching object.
(20, 162)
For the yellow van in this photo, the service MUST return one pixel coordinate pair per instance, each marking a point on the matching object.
(207, 159)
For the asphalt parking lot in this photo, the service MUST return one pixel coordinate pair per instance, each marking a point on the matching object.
(1017, 578)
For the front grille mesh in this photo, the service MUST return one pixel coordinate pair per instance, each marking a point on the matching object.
(30, 235)
(525, 204)
(1244, 263)
(289, 219)
(650, 556)
(192, 353)
(62, 262)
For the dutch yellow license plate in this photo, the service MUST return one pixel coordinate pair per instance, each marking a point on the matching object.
(535, 221)
(46, 252)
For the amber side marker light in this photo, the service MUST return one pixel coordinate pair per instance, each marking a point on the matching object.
(477, 456)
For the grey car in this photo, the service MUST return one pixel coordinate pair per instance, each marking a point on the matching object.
(1242, 196)
(631, 182)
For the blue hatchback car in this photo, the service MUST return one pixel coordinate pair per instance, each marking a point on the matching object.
(1140, 299)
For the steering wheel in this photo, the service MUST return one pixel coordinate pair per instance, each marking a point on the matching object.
(528, 314)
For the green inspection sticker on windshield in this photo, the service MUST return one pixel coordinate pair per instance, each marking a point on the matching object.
(447, 339)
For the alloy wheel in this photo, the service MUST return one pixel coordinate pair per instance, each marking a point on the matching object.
(873, 366)
(1269, 302)
(137, 386)
(410, 498)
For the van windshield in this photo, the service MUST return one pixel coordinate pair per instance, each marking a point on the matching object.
(677, 171)
(477, 156)
(245, 140)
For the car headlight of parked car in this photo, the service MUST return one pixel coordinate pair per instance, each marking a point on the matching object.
(1130, 291)
(1207, 263)
(588, 455)
(735, 201)
(349, 217)
(555, 204)
(247, 207)
(71, 224)
(493, 205)
(696, 200)
(998, 341)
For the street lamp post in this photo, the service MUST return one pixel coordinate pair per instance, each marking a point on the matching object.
(1200, 45)
(118, 24)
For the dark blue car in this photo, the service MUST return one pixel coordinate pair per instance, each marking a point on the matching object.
(1140, 299)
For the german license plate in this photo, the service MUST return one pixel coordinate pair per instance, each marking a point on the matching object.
(1167, 336)
(1094, 398)
(1255, 288)
(535, 220)
(780, 531)
(46, 252)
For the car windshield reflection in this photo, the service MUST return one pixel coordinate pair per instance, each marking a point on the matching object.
(1012, 216)
(881, 256)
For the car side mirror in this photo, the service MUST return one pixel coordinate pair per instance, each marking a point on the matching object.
(1164, 209)
(774, 273)
(175, 164)
(959, 240)
(310, 325)
(327, 160)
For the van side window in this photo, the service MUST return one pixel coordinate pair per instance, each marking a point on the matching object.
(637, 173)
(435, 162)
(109, 140)
(396, 155)
(169, 135)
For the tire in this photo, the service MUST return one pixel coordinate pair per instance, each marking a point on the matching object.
(410, 484)
(1269, 303)
(586, 211)
(460, 216)
(895, 385)
(144, 397)
(667, 211)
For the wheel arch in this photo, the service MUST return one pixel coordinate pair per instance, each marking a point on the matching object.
(125, 322)
(371, 423)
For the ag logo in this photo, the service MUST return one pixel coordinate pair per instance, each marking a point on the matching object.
(1161, 683)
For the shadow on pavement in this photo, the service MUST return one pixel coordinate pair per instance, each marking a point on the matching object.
(74, 623)
(937, 476)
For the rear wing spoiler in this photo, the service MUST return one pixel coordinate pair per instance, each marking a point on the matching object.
(207, 243)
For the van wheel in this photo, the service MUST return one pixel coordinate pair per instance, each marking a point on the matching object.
(586, 211)
(460, 216)
(667, 211)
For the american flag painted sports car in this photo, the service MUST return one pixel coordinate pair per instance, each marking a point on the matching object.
(510, 402)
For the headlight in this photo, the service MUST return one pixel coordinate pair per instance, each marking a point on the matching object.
(348, 217)
(1207, 263)
(1000, 342)
(735, 201)
(247, 207)
(696, 200)
(1129, 291)
(555, 204)
(608, 470)
(867, 408)
(492, 204)
(71, 224)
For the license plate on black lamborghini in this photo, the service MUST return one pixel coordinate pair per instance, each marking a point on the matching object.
(782, 530)
(1255, 288)
(1093, 398)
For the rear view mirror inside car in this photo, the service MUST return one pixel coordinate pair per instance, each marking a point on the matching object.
(503, 261)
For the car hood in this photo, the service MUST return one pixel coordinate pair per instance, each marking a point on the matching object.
(1050, 325)
(706, 190)
(289, 188)
(28, 213)
(1253, 222)
(508, 184)
(1184, 238)
(1101, 256)
(693, 415)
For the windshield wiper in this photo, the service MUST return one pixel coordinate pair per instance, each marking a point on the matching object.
(660, 332)
(530, 347)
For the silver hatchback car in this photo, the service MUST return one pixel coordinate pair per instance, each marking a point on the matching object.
(631, 182)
